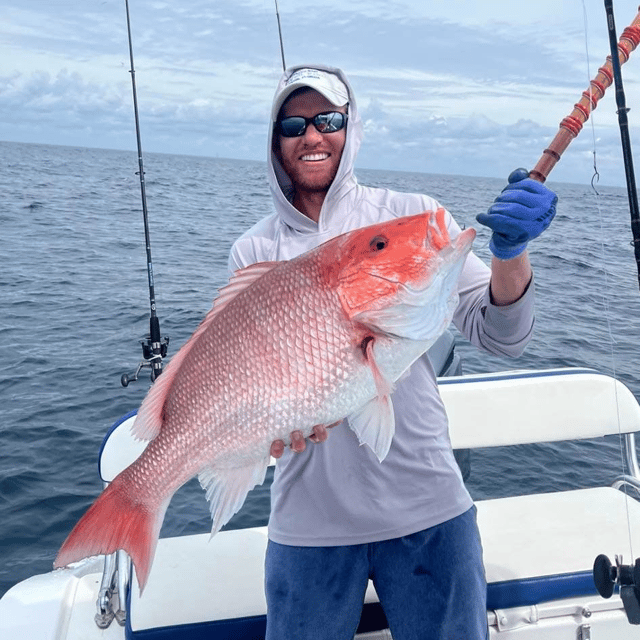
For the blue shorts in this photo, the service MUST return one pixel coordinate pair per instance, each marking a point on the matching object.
(431, 586)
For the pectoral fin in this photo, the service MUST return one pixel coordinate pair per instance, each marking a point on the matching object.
(375, 423)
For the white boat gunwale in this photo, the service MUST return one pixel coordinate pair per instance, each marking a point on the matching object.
(519, 532)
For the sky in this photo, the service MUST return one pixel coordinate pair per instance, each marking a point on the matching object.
(443, 86)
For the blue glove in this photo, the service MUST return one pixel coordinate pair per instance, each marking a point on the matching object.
(523, 210)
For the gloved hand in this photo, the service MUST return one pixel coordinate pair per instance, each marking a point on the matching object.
(523, 210)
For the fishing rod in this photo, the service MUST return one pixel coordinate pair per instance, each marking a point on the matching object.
(607, 576)
(284, 66)
(624, 137)
(154, 347)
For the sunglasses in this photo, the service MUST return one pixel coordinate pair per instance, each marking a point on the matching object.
(295, 126)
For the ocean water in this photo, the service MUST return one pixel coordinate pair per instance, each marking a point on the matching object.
(74, 305)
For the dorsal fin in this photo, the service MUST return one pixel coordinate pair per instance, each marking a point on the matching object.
(241, 280)
(149, 419)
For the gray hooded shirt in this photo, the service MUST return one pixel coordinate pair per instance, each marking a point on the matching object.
(337, 492)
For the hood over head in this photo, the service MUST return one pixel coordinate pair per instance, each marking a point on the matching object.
(334, 86)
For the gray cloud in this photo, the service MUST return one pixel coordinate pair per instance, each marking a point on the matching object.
(474, 92)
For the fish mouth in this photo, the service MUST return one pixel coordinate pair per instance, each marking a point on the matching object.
(464, 240)
(454, 256)
(450, 261)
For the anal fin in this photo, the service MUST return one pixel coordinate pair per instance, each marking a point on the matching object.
(227, 488)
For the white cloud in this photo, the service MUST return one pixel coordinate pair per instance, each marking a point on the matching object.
(472, 87)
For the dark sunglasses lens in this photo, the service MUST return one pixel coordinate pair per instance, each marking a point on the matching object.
(329, 122)
(293, 126)
(324, 122)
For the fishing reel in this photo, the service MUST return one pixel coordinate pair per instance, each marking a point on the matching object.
(153, 353)
(627, 577)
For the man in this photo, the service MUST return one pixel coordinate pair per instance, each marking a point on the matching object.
(338, 516)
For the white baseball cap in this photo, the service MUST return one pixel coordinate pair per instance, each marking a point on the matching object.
(328, 84)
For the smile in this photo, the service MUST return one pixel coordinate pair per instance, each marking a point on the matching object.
(314, 157)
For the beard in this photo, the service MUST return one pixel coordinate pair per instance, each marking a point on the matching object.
(305, 179)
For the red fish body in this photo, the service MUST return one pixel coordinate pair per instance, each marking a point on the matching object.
(286, 346)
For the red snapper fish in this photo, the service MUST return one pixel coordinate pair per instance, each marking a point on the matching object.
(286, 346)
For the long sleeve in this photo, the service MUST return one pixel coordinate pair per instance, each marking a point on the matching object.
(503, 331)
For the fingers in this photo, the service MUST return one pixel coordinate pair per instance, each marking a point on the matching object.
(319, 434)
(298, 445)
(277, 449)
(529, 193)
(298, 442)
(517, 175)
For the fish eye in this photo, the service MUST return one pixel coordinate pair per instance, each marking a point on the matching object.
(378, 243)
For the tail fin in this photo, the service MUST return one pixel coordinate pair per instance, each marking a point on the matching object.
(116, 521)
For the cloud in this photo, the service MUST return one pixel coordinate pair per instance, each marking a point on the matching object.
(448, 84)
(64, 98)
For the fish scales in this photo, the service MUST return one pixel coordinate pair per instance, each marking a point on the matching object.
(274, 365)
(292, 373)
(286, 346)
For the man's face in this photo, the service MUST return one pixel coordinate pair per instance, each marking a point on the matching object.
(311, 160)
